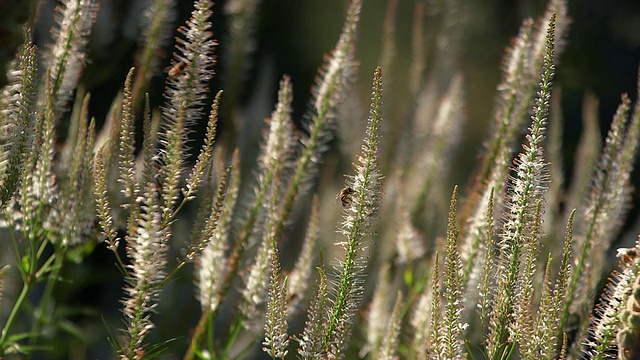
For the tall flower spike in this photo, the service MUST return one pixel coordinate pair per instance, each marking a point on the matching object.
(331, 85)
(39, 189)
(147, 251)
(210, 212)
(388, 36)
(495, 167)
(311, 339)
(253, 295)
(76, 206)
(18, 120)
(488, 265)
(517, 91)
(193, 66)
(598, 215)
(552, 310)
(356, 227)
(67, 56)
(127, 142)
(206, 153)
(127, 175)
(612, 320)
(524, 323)
(280, 140)
(628, 337)
(525, 191)
(213, 262)
(276, 338)
(435, 331)
(545, 337)
(104, 210)
(86, 196)
(452, 325)
(273, 160)
(187, 89)
(409, 243)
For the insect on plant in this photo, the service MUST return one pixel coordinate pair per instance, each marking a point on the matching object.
(176, 70)
(345, 196)
(627, 255)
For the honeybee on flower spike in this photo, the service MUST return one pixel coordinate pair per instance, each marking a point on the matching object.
(345, 196)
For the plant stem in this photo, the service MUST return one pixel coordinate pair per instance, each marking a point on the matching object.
(12, 317)
(58, 258)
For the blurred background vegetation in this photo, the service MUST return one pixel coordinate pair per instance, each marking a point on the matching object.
(601, 57)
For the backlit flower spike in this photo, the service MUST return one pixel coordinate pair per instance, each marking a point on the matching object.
(67, 55)
(147, 252)
(357, 226)
(525, 192)
(333, 81)
(19, 118)
(599, 216)
(186, 93)
(276, 338)
(613, 325)
(213, 263)
(312, 337)
(451, 342)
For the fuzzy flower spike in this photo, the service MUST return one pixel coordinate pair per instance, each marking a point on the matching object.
(187, 91)
(519, 235)
(358, 216)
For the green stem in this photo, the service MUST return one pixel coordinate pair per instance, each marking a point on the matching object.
(41, 312)
(235, 331)
(206, 320)
(184, 201)
(120, 264)
(210, 335)
(12, 317)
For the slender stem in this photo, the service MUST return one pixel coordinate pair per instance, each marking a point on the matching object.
(12, 317)
(47, 264)
(235, 331)
(58, 256)
(200, 331)
(184, 201)
(210, 333)
(120, 264)
(28, 275)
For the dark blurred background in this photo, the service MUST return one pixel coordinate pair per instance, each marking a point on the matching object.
(601, 56)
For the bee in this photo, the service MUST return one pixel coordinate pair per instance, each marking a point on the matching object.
(345, 195)
(176, 70)
(627, 255)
